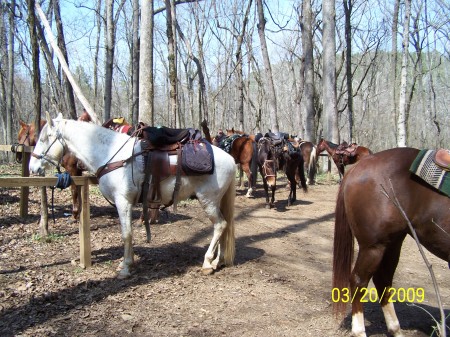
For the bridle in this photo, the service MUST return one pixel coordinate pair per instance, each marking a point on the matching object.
(268, 163)
(19, 147)
(44, 156)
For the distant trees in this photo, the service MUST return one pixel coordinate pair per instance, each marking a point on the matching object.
(254, 65)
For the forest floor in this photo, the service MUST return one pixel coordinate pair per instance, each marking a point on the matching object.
(280, 284)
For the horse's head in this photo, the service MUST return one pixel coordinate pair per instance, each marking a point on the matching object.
(85, 117)
(218, 138)
(49, 148)
(267, 160)
(321, 146)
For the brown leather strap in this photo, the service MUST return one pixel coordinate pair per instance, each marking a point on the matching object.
(102, 170)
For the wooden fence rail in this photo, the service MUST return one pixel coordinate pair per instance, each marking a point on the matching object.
(25, 182)
(84, 228)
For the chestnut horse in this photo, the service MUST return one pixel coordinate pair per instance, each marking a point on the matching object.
(27, 136)
(364, 212)
(243, 149)
(309, 153)
(291, 159)
(343, 154)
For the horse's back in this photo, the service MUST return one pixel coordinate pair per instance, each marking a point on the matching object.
(368, 209)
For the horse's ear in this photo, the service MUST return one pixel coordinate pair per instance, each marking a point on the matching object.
(59, 117)
(22, 123)
(49, 119)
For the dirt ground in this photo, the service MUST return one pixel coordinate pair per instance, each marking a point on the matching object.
(280, 284)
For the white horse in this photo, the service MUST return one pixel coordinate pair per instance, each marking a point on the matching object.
(96, 146)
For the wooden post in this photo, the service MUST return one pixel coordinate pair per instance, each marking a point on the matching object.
(85, 231)
(24, 190)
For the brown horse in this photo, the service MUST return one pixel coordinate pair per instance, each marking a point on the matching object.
(243, 149)
(268, 165)
(291, 160)
(364, 212)
(27, 136)
(342, 154)
(309, 153)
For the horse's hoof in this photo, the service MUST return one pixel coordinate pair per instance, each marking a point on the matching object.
(123, 275)
(207, 271)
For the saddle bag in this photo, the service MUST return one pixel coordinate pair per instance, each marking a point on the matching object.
(197, 158)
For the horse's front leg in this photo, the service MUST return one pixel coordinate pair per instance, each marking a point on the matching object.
(124, 209)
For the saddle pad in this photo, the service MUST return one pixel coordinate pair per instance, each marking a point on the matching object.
(425, 167)
(197, 158)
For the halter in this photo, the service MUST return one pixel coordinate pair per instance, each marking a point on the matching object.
(43, 155)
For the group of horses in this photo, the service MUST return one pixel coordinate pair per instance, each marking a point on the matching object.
(379, 200)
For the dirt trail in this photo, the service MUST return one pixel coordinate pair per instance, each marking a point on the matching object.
(280, 284)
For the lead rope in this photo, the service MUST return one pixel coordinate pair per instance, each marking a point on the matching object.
(64, 180)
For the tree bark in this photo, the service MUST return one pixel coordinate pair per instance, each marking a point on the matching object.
(348, 7)
(331, 130)
(70, 98)
(402, 104)
(172, 57)
(146, 87)
(308, 94)
(109, 58)
(10, 88)
(269, 85)
(135, 65)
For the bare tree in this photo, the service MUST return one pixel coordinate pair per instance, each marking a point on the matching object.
(69, 97)
(10, 87)
(348, 8)
(146, 88)
(402, 104)
(308, 94)
(110, 45)
(269, 85)
(331, 131)
(172, 58)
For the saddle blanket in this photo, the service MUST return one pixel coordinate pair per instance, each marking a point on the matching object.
(425, 167)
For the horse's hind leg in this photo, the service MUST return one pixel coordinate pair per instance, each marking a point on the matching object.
(383, 282)
(214, 255)
(246, 168)
(368, 261)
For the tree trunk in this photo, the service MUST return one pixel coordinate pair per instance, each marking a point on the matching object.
(109, 58)
(331, 130)
(402, 104)
(43, 224)
(135, 64)
(269, 85)
(308, 94)
(394, 60)
(97, 50)
(146, 87)
(70, 98)
(172, 57)
(348, 7)
(10, 88)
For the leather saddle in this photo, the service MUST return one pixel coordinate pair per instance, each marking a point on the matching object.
(442, 159)
(347, 150)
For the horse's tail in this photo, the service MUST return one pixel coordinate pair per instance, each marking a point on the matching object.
(301, 169)
(343, 250)
(254, 164)
(227, 240)
(312, 167)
